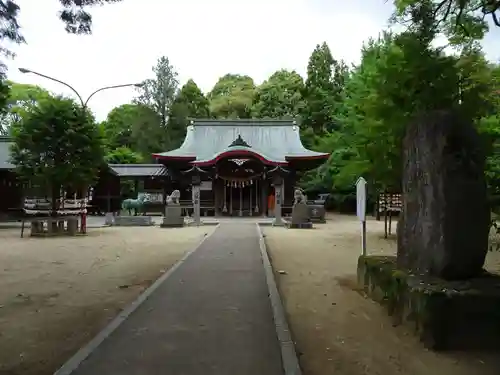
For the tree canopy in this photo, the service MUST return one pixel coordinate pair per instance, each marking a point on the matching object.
(190, 103)
(57, 144)
(232, 97)
(21, 98)
(461, 21)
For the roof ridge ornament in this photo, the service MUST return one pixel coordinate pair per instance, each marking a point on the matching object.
(239, 142)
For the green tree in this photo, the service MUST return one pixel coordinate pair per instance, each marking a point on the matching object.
(232, 97)
(57, 145)
(280, 96)
(190, 103)
(22, 97)
(135, 126)
(158, 93)
(399, 77)
(323, 89)
(462, 21)
(123, 155)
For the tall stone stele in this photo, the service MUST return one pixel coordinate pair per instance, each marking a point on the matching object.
(444, 224)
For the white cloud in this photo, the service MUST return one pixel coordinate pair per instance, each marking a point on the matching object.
(203, 40)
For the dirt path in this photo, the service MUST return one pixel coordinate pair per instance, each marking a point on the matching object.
(56, 294)
(337, 330)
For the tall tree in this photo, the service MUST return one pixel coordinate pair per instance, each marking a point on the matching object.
(323, 89)
(280, 96)
(57, 145)
(22, 97)
(399, 77)
(158, 93)
(190, 103)
(134, 126)
(232, 97)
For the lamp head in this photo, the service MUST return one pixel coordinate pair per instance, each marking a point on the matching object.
(23, 70)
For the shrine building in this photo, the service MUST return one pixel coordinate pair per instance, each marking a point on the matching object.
(241, 166)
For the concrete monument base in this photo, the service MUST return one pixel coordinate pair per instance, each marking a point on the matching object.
(109, 218)
(300, 225)
(133, 221)
(172, 222)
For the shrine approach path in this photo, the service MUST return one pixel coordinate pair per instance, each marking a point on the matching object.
(212, 315)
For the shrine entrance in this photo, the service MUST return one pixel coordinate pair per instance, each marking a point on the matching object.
(242, 183)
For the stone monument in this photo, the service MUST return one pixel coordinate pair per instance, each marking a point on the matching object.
(301, 217)
(196, 205)
(444, 224)
(437, 284)
(173, 213)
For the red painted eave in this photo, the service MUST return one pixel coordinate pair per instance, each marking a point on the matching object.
(238, 153)
(174, 158)
(313, 157)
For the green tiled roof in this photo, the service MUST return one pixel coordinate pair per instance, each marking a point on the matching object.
(274, 140)
(138, 170)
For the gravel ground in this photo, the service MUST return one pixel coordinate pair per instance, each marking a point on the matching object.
(57, 293)
(336, 329)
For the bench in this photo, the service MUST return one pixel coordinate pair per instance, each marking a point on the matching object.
(43, 226)
(38, 211)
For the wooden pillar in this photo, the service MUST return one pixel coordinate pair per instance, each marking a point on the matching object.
(216, 196)
(241, 201)
(231, 199)
(164, 197)
(257, 186)
(108, 197)
(224, 207)
(250, 208)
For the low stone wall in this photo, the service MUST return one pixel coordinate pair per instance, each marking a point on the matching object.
(133, 221)
(445, 315)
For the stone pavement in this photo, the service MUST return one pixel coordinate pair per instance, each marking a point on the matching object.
(211, 316)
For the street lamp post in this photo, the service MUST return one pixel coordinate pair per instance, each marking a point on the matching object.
(84, 107)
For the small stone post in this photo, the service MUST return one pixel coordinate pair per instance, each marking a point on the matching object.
(278, 183)
(196, 200)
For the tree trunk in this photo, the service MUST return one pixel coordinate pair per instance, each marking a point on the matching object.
(55, 195)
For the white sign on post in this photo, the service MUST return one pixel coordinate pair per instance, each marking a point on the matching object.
(361, 209)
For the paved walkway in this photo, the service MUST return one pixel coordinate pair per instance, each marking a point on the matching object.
(211, 316)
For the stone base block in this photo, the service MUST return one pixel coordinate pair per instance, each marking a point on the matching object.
(445, 315)
(317, 213)
(300, 225)
(169, 222)
(54, 227)
(133, 221)
(109, 218)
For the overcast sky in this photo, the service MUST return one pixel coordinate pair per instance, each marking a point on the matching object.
(204, 39)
